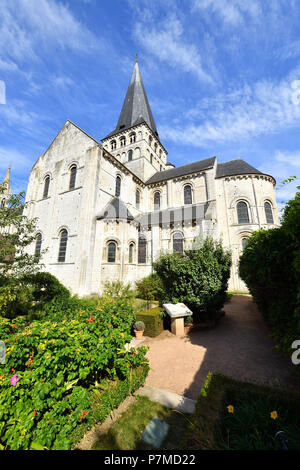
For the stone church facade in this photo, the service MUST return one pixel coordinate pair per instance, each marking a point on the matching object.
(107, 210)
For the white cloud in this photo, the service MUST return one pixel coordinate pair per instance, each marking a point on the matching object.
(289, 158)
(27, 25)
(263, 108)
(166, 42)
(14, 158)
(232, 12)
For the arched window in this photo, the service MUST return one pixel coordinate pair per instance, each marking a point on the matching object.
(122, 141)
(113, 145)
(150, 140)
(118, 186)
(63, 240)
(46, 187)
(38, 244)
(156, 200)
(244, 243)
(178, 242)
(130, 153)
(155, 147)
(142, 250)
(130, 256)
(137, 198)
(111, 252)
(269, 213)
(151, 158)
(73, 172)
(188, 194)
(132, 138)
(2, 205)
(242, 213)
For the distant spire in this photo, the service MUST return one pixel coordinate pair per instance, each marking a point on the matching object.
(7, 181)
(136, 108)
(136, 58)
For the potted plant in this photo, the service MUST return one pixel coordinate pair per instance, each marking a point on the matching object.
(139, 328)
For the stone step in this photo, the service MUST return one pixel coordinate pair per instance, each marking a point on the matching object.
(169, 399)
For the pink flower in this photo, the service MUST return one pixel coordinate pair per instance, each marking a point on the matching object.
(14, 379)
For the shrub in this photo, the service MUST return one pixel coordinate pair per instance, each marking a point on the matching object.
(139, 326)
(150, 287)
(45, 286)
(117, 289)
(15, 298)
(55, 363)
(270, 266)
(198, 278)
(152, 320)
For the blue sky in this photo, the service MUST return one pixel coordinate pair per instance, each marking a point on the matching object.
(221, 77)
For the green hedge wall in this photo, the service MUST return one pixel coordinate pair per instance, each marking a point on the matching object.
(153, 321)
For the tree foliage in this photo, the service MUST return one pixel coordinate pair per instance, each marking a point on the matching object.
(270, 266)
(17, 232)
(198, 278)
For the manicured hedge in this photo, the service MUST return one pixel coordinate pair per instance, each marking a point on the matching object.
(153, 321)
(270, 266)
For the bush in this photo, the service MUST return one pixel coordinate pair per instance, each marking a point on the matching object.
(15, 299)
(270, 266)
(152, 320)
(117, 289)
(139, 326)
(56, 362)
(150, 287)
(45, 286)
(198, 278)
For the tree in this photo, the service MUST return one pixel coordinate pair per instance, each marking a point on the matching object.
(17, 232)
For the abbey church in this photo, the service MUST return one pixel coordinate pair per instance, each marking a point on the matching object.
(107, 209)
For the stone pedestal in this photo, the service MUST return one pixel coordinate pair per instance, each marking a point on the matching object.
(177, 313)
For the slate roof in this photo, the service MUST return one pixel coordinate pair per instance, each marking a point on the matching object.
(235, 167)
(136, 108)
(182, 170)
(115, 209)
(173, 215)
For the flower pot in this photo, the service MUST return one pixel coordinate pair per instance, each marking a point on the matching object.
(138, 334)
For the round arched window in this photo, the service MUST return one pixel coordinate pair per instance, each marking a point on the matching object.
(111, 252)
(178, 242)
(268, 213)
(242, 213)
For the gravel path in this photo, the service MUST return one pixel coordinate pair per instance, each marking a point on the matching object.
(238, 346)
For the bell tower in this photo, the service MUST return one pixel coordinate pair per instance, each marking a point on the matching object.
(135, 140)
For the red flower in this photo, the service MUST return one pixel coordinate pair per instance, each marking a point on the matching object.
(12, 370)
(133, 354)
(14, 325)
(34, 412)
(90, 320)
(84, 413)
(109, 326)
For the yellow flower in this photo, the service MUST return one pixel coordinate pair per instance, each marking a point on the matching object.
(230, 409)
(274, 415)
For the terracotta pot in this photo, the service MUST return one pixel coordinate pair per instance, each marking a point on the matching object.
(138, 334)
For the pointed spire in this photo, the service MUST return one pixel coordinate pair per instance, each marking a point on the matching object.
(136, 108)
(7, 181)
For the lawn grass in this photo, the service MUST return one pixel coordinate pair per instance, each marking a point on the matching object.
(250, 426)
(126, 432)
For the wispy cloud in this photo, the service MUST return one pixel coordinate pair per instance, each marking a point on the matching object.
(27, 25)
(231, 12)
(263, 108)
(166, 41)
(14, 158)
